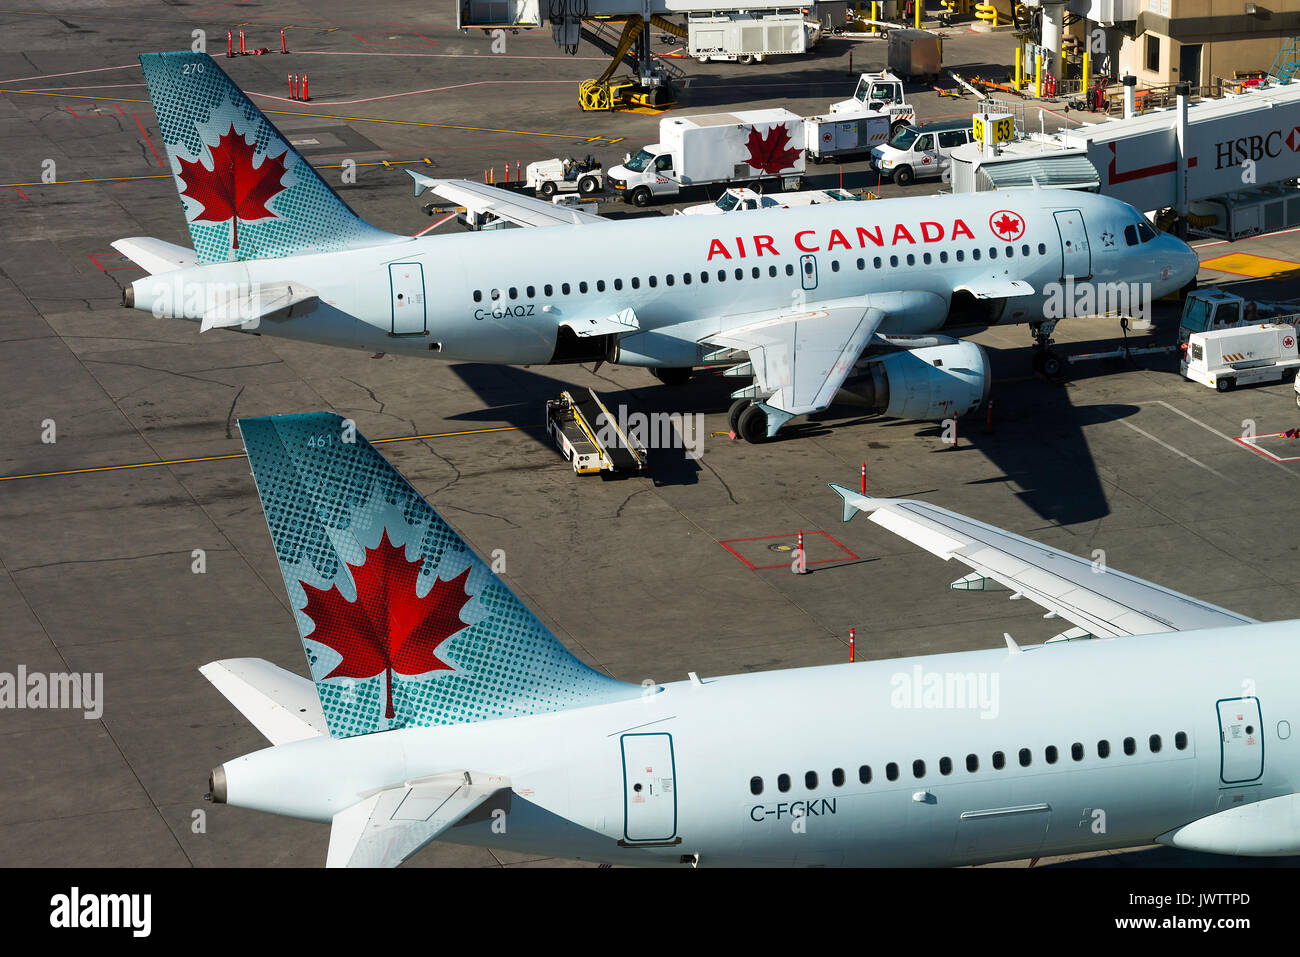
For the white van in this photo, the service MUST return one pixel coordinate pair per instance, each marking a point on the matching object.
(1241, 356)
(920, 152)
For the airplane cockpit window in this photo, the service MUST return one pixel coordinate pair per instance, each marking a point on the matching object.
(1131, 235)
(1146, 232)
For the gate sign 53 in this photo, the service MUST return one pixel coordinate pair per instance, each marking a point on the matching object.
(1001, 127)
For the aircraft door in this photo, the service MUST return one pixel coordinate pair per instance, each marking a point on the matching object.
(649, 789)
(808, 271)
(1241, 740)
(1076, 256)
(406, 280)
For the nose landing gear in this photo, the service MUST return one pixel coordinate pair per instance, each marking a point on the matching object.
(1047, 360)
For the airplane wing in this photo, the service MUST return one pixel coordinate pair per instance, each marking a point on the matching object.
(1103, 602)
(802, 358)
(155, 255)
(388, 826)
(515, 207)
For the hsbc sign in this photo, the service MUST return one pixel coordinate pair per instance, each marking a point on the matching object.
(1256, 147)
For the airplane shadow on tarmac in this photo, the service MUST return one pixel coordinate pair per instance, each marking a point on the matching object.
(1037, 440)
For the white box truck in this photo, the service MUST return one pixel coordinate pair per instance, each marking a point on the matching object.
(1241, 356)
(741, 147)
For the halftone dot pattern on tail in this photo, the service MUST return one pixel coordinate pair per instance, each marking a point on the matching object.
(197, 104)
(331, 504)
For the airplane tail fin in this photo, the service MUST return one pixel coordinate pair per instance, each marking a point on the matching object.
(247, 192)
(403, 625)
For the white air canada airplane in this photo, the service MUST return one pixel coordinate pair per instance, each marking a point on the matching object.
(441, 708)
(846, 299)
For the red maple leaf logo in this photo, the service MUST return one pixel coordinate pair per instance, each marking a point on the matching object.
(770, 152)
(233, 187)
(1007, 224)
(388, 628)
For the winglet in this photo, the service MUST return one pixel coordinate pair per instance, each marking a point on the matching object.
(854, 502)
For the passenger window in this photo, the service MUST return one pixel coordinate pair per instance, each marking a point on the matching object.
(564, 288)
(514, 293)
(864, 774)
(740, 274)
(532, 291)
(1103, 749)
(495, 294)
(918, 769)
(943, 257)
(974, 254)
(756, 272)
(636, 282)
(926, 259)
(618, 284)
(972, 763)
(837, 777)
(771, 271)
(1154, 743)
(1042, 249)
(756, 785)
(549, 289)
(1130, 746)
(722, 275)
(810, 780)
(789, 269)
(1076, 751)
(891, 771)
(893, 260)
(993, 252)
(686, 279)
(582, 288)
(835, 265)
(911, 260)
(654, 281)
(478, 295)
(1049, 754)
(862, 264)
(669, 279)
(1011, 251)
(1025, 757)
(875, 263)
(961, 255)
(1180, 741)
(704, 276)
(1024, 250)
(999, 760)
(783, 782)
(945, 765)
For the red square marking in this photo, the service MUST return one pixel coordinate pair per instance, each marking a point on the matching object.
(814, 544)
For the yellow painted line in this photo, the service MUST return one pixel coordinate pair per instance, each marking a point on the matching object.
(358, 119)
(124, 179)
(240, 455)
(1259, 267)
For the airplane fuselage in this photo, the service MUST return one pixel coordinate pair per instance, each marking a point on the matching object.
(940, 760)
(506, 296)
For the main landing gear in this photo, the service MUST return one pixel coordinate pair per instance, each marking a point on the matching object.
(1046, 359)
(747, 420)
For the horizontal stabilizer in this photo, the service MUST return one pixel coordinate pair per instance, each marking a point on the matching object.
(621, 323)
(280, 704)
(390, 825)
(155, 255)
(266, 300)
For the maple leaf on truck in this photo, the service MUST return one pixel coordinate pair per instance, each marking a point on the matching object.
(771, 152)
(233, 187)
(388, 628)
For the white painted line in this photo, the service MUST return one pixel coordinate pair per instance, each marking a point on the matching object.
(1226, 438)
(1255, 447)
(435, 225)
(1220, 242)
(1166, 445)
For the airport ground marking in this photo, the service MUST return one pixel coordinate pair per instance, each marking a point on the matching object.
(242, 455)
(1165, 445)
(726, 543)
(1227, 438)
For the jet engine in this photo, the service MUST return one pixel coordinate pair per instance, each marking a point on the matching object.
(930, 382)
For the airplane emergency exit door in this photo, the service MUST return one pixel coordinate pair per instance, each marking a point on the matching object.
(407, 283)
(649, 789)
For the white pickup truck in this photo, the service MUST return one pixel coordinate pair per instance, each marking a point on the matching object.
(739, 199)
